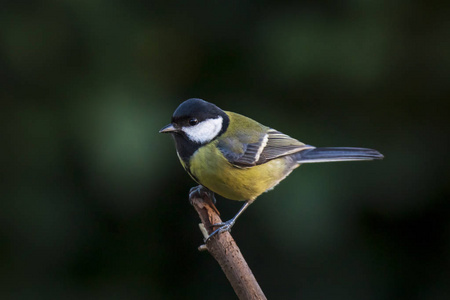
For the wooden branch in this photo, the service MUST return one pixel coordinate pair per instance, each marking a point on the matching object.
(224, 249)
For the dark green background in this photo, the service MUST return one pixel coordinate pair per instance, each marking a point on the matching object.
(94, 201)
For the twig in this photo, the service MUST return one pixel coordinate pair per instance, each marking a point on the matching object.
(224, 249)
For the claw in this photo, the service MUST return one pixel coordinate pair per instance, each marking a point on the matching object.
(224, 226)
(199, 192)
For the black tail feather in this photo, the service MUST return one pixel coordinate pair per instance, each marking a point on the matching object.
(328, 154)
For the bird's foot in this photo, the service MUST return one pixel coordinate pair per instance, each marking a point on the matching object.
(224, 226)
(199, 192)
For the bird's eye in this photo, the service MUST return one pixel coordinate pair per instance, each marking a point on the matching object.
(193, 121)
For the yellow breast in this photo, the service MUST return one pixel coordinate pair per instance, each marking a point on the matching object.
(213, 171)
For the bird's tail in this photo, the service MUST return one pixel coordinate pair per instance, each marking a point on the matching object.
(328, 154)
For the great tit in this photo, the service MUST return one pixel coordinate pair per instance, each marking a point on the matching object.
(239, 158)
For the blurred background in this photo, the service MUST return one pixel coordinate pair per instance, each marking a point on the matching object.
(94, 203)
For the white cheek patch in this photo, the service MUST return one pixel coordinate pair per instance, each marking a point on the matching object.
(204, 131)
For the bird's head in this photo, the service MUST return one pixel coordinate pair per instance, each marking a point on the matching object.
(198, 121)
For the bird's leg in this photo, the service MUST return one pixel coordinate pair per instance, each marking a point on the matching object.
(226, 226)
(200, 191)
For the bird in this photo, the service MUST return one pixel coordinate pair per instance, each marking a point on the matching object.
(238, 158)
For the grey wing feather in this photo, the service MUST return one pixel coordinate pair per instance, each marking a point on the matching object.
(271, 145)
(280, 144)
(241, 153)
(250, 155)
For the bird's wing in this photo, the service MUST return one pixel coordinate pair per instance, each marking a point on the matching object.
(270, 144)
(280, 144)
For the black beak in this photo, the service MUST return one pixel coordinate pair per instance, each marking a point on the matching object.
(168, 129)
